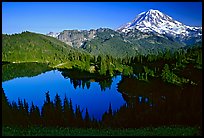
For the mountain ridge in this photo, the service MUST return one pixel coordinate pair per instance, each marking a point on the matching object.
(149, 30)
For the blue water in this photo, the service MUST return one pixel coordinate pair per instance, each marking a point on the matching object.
(33, 89)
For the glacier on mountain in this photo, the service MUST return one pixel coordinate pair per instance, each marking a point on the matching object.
(158, 22)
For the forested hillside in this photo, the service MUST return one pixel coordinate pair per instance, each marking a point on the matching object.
(33, 47)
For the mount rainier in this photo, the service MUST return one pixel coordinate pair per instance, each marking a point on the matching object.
(160, 23)
(149, 31)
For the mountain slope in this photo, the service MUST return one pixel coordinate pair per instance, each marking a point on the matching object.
(160, 23)
(104, 41)
(32, 47)
(75, 38)
(149, 42)
(110, 42)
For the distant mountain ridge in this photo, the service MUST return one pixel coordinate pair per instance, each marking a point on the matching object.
(53, 34)
(149, 31)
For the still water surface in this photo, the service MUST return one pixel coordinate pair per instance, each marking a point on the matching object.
(94, 99)
(135, 102)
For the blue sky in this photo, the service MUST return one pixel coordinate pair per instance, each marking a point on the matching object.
(43, 17)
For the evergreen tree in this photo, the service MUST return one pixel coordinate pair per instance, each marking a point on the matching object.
(78, 117)
(34, 116)
(58, 111)
(110, 110)
(48, 111)
(6, 111)
(87, 118)
(66, 112)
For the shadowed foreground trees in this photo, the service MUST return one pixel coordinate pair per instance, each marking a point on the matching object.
(184, 110)
(53, 114)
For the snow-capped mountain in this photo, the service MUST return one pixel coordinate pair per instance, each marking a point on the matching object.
(160, 23)
(149, 31)
(53, 34)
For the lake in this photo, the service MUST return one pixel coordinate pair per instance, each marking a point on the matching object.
(93, 98)
(153, 102)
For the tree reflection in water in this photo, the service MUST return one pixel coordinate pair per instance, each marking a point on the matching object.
(156, 103)
(152, 103)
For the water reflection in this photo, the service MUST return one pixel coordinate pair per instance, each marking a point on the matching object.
(95, 95)
(134, 103)
(156, 103)
(15, 70)
(82, 78)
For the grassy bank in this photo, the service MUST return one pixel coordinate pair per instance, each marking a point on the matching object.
(160, 131)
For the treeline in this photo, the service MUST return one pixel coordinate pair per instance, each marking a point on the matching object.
(55, 113)
(13, 70)
(104, 84)
(145, 112)
(166, 65)
(80, 78)
(169, 65)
